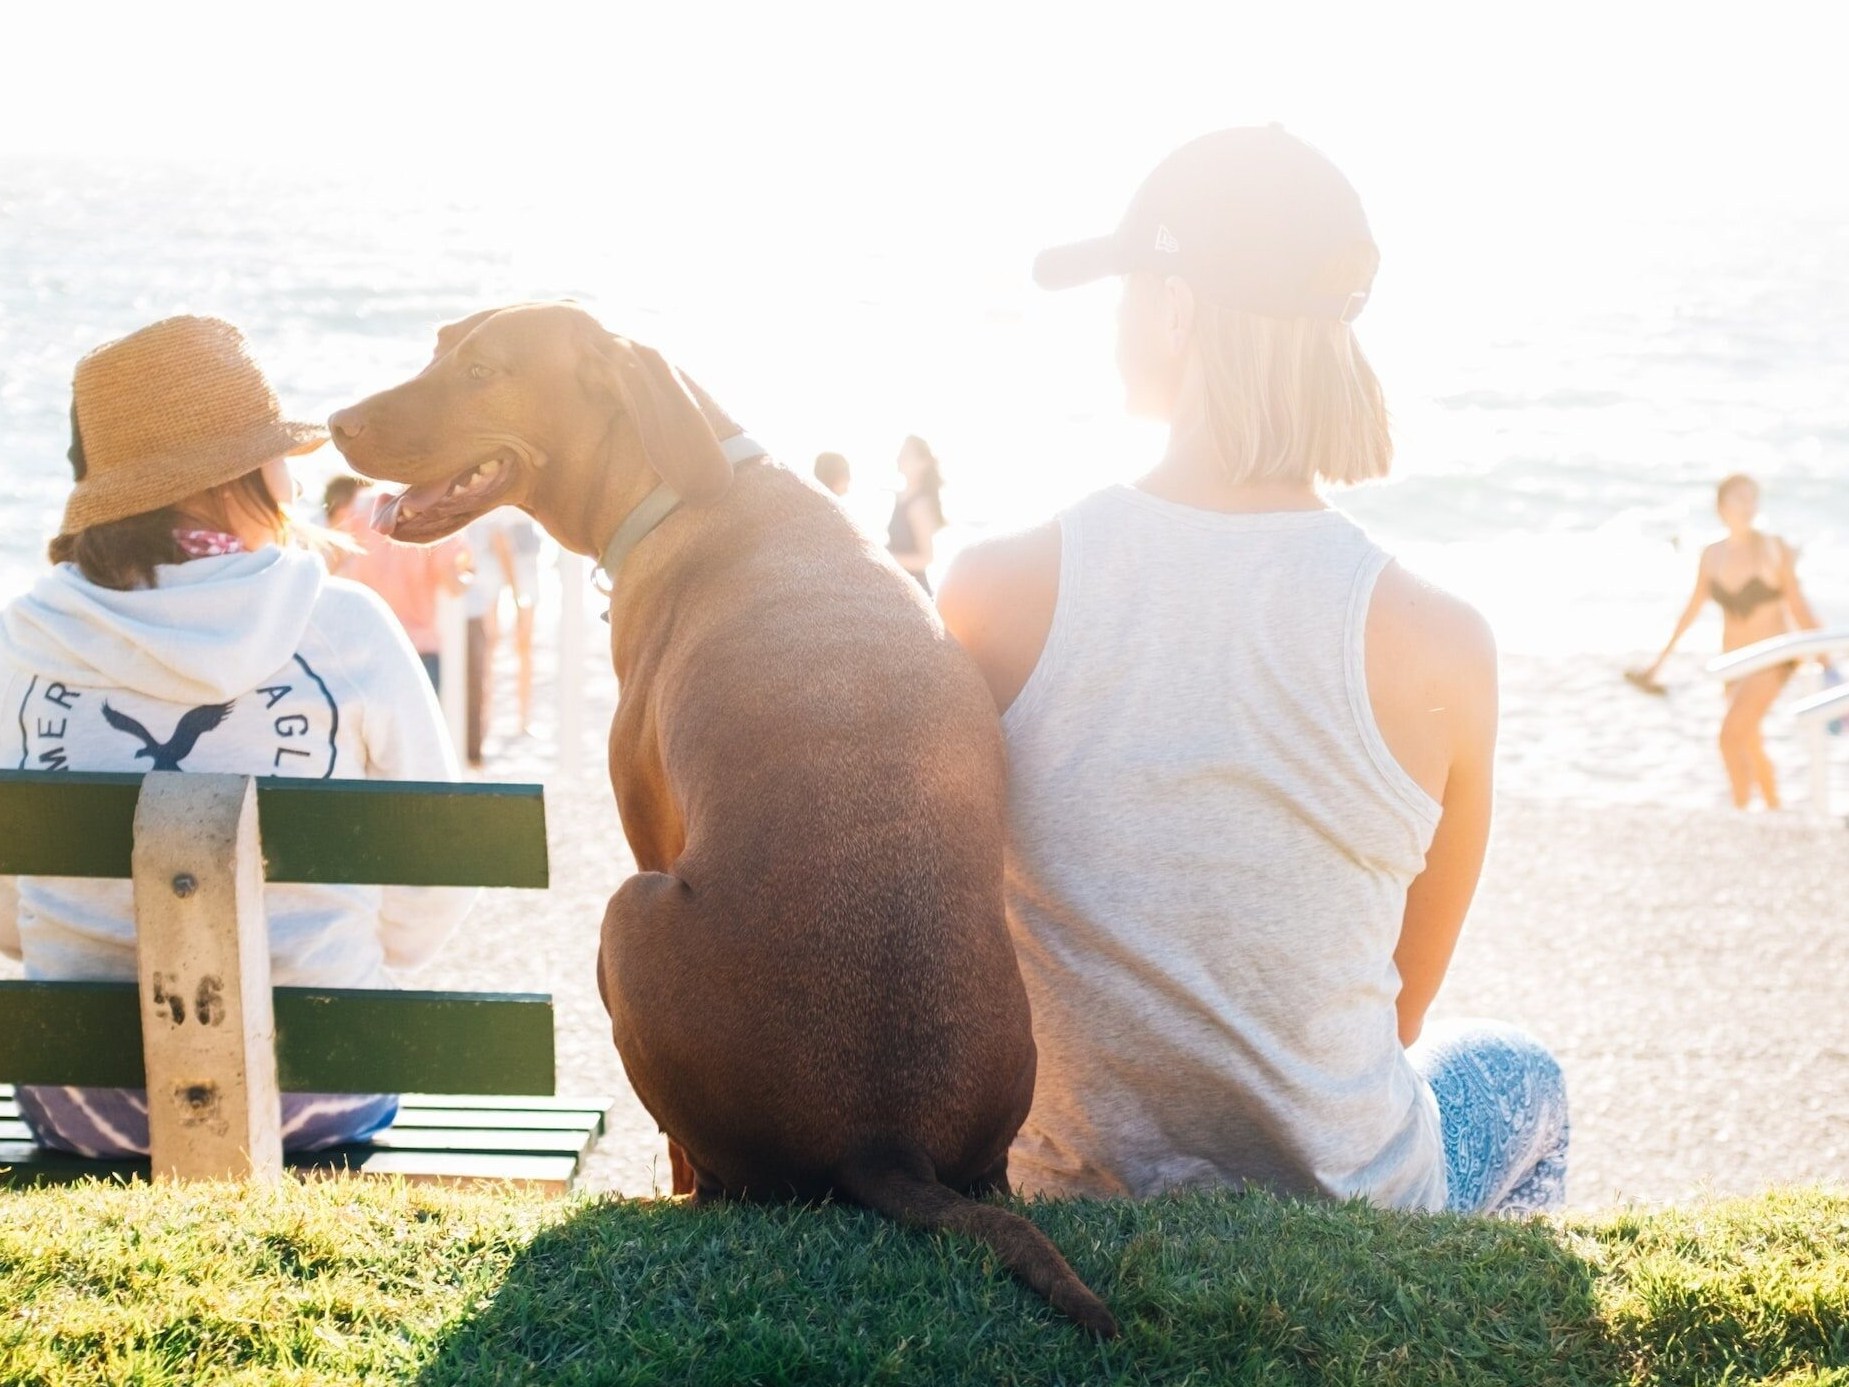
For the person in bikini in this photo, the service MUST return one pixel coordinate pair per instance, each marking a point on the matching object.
(1753, 577)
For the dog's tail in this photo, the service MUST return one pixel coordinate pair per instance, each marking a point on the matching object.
(896, 1178)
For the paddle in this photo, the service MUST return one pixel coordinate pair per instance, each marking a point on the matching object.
(1638, 678)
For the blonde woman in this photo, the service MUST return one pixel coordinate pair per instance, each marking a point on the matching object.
(1753, 578)
(181, 629)
(1250, 755)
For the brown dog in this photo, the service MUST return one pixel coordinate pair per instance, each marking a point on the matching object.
(809, 980)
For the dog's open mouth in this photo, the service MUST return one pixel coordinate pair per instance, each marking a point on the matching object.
(431, 510)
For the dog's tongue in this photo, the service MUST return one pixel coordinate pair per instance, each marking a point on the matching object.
(391, 511)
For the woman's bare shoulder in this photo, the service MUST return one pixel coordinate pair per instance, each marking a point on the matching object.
(1431, 679)
(1003, 569)
(998, 598)
(1418, 626)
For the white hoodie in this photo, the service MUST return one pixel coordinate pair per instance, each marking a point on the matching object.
(256, 664)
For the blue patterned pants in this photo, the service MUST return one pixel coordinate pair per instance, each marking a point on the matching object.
(1502, 1108)
(113, 1122)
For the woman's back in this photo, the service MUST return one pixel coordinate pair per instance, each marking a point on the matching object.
(1211, 848)
(247, 663)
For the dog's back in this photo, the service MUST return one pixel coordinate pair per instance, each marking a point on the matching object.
(837, 773)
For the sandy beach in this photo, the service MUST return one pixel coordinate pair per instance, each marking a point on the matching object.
(1679, 957)
(1679, 962)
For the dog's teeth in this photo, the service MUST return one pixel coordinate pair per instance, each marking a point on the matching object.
(490, 468)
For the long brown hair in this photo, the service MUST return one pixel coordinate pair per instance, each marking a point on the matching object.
(123, 554)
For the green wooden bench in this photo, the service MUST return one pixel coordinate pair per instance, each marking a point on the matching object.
(476, 1070)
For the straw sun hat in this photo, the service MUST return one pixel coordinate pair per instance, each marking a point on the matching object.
(167, 412)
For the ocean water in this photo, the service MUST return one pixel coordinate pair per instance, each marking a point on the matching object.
(1565, 395)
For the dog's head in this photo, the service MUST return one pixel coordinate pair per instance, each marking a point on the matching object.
(522, 406)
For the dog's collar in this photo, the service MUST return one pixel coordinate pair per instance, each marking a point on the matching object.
(658, 505)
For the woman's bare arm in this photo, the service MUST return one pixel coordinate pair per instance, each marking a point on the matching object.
(1697, 600)
(1456, 642)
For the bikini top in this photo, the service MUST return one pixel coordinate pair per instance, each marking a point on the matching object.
(1751, 595)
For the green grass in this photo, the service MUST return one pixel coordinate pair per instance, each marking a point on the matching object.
(369, 1282)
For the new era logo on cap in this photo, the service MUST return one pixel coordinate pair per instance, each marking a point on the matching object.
(1166, 242)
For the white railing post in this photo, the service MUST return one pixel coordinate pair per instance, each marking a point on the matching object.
(573, 578)
(1817, 736)
(453, 669)
(1816, 710)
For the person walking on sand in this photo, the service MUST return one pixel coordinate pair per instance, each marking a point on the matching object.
(1753, 577)
(516, 546)
(831, 470)
(505, 547)
(409, 577)
(917, 511)
(184, 627)
(1249, 754)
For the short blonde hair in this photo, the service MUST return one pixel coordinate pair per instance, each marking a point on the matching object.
(1291, 399)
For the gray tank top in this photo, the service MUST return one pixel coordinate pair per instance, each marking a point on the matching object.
(1210, 846)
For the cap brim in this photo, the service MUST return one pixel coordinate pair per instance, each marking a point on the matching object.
(1081, 262)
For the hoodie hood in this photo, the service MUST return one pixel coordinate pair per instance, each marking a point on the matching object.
(207, 631)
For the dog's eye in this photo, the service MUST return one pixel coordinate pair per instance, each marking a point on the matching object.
(481, 372)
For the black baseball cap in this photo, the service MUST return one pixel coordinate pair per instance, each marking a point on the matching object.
(1252, 218)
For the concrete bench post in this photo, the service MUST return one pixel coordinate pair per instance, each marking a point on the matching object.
(203, 953)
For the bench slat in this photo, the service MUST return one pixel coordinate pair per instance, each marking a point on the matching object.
(465, 1110)
(553, 1174)
(27, 1163)
(529, 1141)
(520, 1103)
(22, 1163)
(482, 1119)
(327, 1040)
(379, 832)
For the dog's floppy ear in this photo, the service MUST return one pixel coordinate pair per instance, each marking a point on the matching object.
(450, 335)
(678, 442)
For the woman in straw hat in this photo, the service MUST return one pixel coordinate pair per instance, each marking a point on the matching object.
(181, 629)
(1249, 756)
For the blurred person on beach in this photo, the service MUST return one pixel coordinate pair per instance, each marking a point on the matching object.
(409, 577)
(1753, 578)
(1250, 756)
(917, 511)
(187, 626)
(515, 545)
(831, 470)
(505, 544)
(480, 603)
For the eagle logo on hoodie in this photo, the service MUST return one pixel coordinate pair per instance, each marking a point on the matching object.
(287, 726)
(167, 755)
